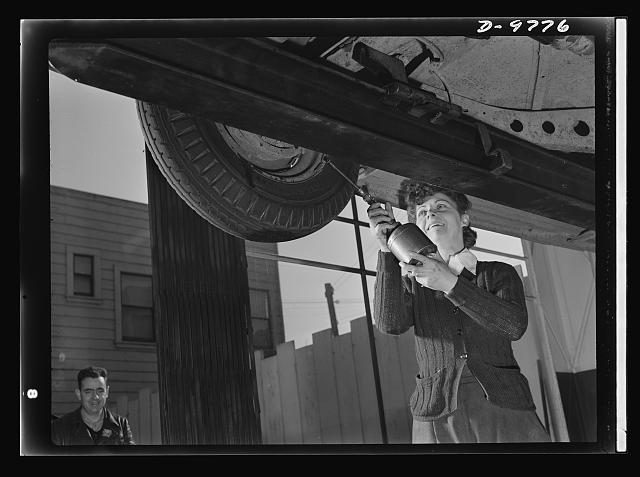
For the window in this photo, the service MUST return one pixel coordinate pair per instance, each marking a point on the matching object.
(307, 264)
(135, 325)
(137, 308)
(83, 275)
(260, 319)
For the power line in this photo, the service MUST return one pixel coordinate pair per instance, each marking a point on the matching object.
(345, 275)
(345, 301)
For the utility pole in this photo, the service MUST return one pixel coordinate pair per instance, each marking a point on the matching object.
(328, 292)
(201, 308)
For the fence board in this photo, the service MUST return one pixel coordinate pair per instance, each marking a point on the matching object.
(144, 409)
(347, 388)
(370, 418)
(134, 420)
(398, 430)
(123, 405)
(272, 403)
(326, 385)
(308, 396)
(143, 415)
(258, 357)
(289, 393)
(156, 434)
(325, 393)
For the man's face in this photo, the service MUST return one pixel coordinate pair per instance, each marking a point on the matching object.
(440, 220)
(93, 395)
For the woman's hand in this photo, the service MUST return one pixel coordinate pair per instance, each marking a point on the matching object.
(381, 222)
(430, 273)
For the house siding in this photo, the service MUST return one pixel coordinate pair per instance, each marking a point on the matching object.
(83, 330)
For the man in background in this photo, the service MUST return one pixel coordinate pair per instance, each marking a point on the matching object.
(92, 423)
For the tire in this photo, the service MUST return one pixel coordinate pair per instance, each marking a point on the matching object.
(213, 169)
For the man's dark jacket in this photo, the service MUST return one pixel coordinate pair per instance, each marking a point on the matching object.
(70, 430)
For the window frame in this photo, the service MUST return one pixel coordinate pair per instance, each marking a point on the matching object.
(132, 269)
(267, 319)
(96, 296)
(360, 227)
(91, 275)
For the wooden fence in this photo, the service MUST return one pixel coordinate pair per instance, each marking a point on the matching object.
(324, 393)
(143, 415)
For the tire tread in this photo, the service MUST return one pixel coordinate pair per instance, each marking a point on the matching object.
(218, 199)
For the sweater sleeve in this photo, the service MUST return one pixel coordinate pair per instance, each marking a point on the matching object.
(502, 309)
(392, 301)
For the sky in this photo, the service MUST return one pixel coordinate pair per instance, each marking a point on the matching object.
(96, 141)
(97, 146)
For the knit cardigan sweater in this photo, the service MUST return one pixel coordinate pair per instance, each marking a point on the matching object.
(474, 324)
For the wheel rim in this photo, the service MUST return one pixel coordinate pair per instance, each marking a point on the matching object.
(272, 158)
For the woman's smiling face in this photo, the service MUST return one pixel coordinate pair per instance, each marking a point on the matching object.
(439, 218)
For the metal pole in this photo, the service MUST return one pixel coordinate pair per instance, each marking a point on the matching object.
(545, 407)
(556, 410)
(372, 342)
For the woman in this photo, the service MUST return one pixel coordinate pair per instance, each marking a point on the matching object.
(465, 314)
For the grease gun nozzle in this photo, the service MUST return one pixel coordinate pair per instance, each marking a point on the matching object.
(369, 199)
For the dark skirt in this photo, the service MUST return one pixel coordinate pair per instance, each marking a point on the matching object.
(476, 420)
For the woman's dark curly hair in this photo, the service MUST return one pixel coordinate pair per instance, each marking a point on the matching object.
(417, 192)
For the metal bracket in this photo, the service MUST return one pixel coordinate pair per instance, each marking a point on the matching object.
(501, 161)
(398, 93)
(419, 103)
(379, 63)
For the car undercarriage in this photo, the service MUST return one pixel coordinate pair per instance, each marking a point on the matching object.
(240, 126)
